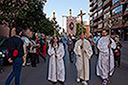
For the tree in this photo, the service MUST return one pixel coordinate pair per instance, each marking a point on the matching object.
(26, 14)
(79, 29)
(9, 11)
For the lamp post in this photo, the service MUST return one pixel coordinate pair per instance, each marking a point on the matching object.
(54, 26)
(110, 25)
(54, 22)
(89, 23)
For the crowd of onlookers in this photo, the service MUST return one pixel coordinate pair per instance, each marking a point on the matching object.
(37, 45)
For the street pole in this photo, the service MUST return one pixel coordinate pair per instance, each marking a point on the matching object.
(81, 16)
(89, 23)
(110, 25)
(54, 22)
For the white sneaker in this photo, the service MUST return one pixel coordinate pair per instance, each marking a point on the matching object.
(84, 82)
(78, 80)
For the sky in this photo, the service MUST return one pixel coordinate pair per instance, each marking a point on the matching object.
(61, 7)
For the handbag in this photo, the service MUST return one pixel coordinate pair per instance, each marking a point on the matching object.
(118, 53)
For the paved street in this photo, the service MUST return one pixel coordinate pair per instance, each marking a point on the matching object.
(38, 75)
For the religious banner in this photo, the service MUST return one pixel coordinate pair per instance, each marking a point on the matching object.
(71, 25)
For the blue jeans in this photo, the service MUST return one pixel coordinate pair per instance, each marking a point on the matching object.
(17, 66)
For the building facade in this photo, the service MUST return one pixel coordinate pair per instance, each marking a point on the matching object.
(99, 17)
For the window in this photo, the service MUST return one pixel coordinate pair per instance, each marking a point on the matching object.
(99, 4)
(106, 24)
(100, 20)
(100, 25)
(95, 1)
(127, 8)
(91, 22)
(115, 1)
(100, 12)
(91, 18)
(106, 8)
(105, 1)
(106, 16)
(95, 15)
(117, 10)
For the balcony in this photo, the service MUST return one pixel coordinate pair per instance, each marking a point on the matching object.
(90, 0)
(105, 20)
(92, 9)
(99, 22)
(126, 24)
(96, 23)
(116, 5)
(123, 2)
(106, 2)
(100, 29)
(117, 26)
(91, 4)
(100, 8)
(126, 12)
(100, 15)
(118, 15)
(93, 13)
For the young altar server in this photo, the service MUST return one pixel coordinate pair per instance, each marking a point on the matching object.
(56, 64)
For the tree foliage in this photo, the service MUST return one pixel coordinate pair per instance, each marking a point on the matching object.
(26, 14)
(79, 29)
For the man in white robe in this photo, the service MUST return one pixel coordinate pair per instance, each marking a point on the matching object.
(105, 64)
(83, 53)
(56, 64)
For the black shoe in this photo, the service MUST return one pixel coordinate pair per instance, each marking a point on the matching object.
(53, 83)
(62, 83)
(33, 65)
(71, 61)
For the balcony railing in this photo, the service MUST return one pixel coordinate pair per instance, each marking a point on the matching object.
(116, 5)
(93, 7)
(106, 2)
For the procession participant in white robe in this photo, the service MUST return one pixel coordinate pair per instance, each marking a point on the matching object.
(83, 49)
(105, 64)
(56, 63)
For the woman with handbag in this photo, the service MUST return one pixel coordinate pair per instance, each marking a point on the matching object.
(117, 52)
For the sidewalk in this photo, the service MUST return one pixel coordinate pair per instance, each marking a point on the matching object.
(124, 52)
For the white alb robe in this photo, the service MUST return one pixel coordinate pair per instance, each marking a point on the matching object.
(56, 65)
(83, 72)
(103, 60)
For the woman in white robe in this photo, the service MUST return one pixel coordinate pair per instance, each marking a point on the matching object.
(56, 63)
(83, 71)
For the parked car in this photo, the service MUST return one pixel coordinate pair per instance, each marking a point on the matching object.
(3, 51)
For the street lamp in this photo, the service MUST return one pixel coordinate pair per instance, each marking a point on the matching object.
(89, 23)
(110, 24)
(54, 22)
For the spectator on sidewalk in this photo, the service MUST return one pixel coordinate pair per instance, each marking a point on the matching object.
(16, 52)
(117, 52)
(25, 52)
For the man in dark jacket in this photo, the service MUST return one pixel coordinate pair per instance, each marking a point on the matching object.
(15, 48)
